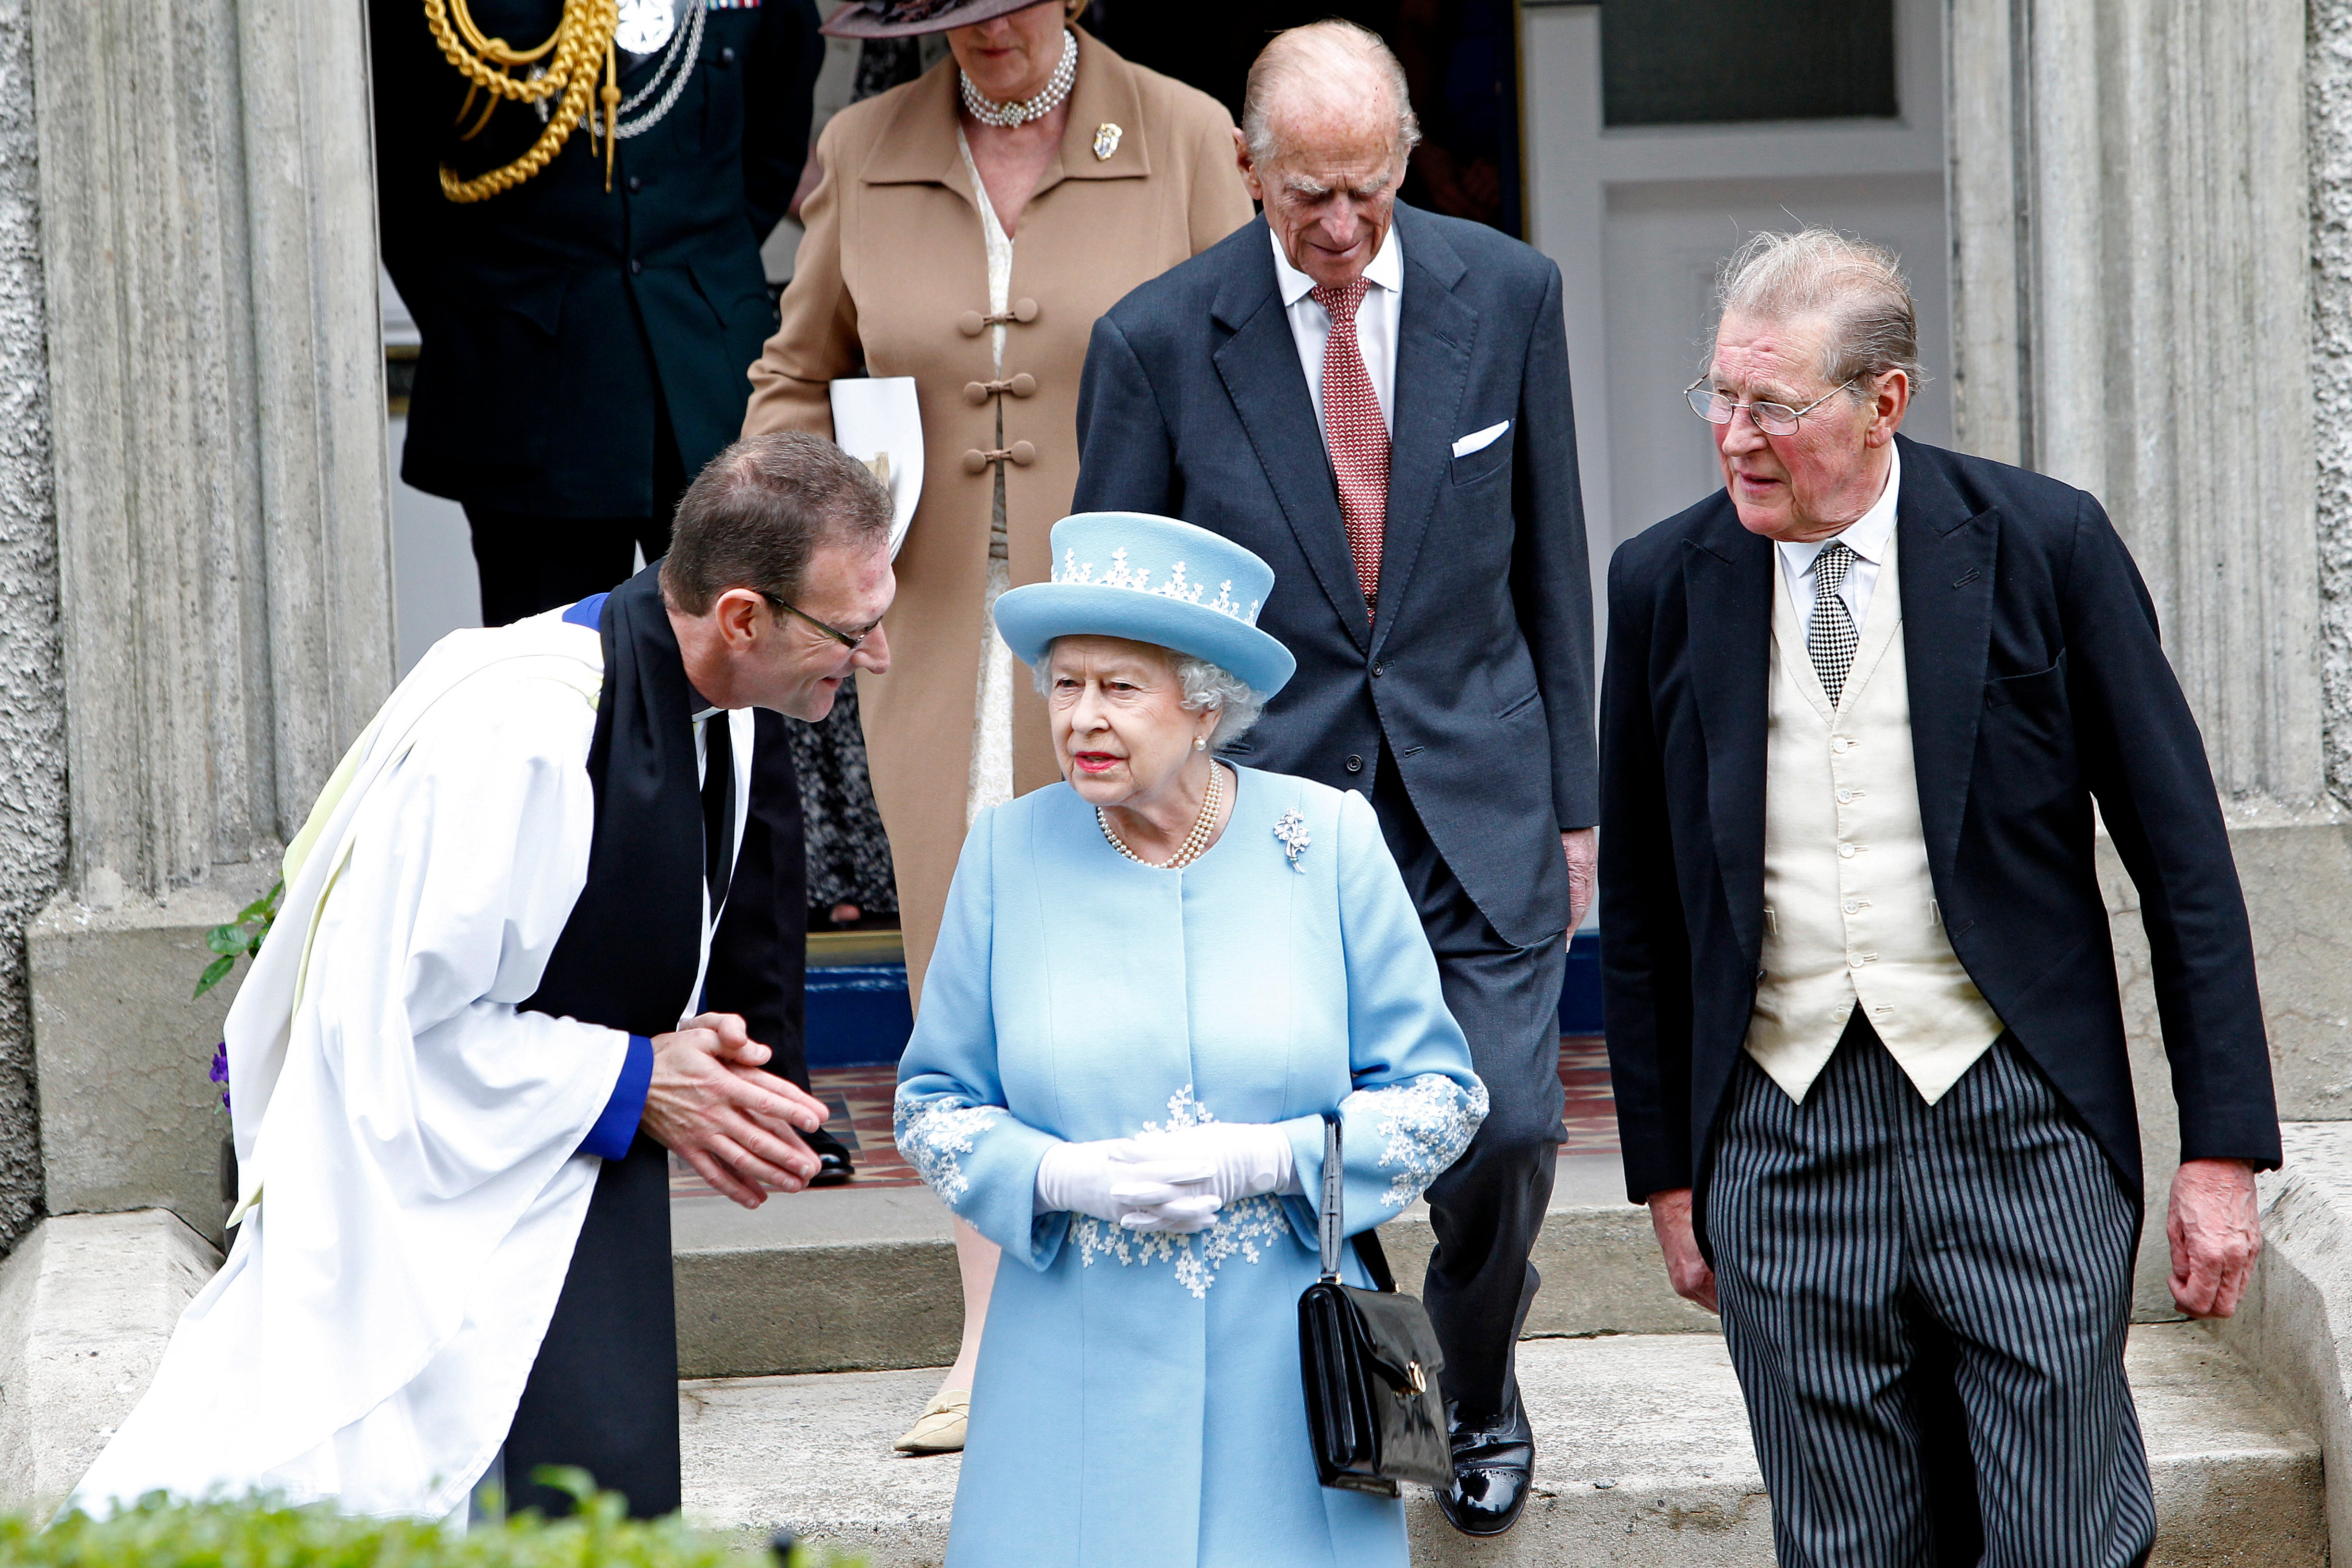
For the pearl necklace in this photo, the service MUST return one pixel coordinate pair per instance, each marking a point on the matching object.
(1195, 842)
(988, 111)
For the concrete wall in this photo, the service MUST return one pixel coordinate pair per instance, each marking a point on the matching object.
(2328, 88)
(32, 695)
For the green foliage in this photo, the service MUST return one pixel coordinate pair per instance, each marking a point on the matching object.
(263, 1534)
(241, 935)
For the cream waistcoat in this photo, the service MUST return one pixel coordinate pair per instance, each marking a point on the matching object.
(1849, 907)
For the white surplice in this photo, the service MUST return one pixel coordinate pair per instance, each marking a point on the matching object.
(406, 1138)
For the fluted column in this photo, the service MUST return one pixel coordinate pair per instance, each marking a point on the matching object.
(2132, 314)
(216, 372)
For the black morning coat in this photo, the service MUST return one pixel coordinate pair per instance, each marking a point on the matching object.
(555, 314)
(2038, 686)
(1476, 676)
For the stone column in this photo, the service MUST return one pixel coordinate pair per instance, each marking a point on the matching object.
(2131, 311)
(2132, 308)
(217, 371)
(223, 547)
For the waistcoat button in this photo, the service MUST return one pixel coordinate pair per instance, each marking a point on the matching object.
(1846, 851)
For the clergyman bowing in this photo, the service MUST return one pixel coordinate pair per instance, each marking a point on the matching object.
(1861, 1008)
(481, 1028)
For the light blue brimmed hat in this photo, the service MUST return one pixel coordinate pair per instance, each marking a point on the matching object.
(1150, 580)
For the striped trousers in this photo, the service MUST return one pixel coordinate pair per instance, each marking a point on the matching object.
(1926, 1306)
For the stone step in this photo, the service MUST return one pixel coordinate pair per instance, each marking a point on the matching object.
(1642, 1457)
(864, 1279)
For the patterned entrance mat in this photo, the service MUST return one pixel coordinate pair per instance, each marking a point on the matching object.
(859, 1099)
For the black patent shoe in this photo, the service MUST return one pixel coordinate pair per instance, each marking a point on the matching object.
(1494, 1468)
(833, 1162)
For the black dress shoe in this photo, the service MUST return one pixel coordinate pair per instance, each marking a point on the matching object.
(1493, 1466)
(833, 1162)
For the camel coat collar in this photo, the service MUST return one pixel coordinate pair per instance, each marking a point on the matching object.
(919, 147)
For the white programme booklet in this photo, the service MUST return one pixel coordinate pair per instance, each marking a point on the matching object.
(875, 420)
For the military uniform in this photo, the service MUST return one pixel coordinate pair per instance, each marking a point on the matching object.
(584, 350)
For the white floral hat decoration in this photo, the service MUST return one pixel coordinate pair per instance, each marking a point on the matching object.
(1150, 580)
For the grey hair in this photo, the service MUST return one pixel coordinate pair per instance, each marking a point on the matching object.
(1856, 285)
(1204, 685)
(1309, 65)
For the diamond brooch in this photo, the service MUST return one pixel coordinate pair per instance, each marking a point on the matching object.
(1292, 830)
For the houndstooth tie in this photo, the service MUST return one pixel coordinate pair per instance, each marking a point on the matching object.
(1831, 638)
(1352, 429)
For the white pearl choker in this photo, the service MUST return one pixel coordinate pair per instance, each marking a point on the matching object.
(988, 111)
(1195, 842)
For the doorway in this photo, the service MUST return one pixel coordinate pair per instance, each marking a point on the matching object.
(1638, 187)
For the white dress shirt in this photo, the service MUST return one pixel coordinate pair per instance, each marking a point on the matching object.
(1867, 536)
(1376, 323)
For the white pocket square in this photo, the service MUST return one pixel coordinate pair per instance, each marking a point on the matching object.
(1479, 440)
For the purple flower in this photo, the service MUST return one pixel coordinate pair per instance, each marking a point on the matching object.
(219, 1074)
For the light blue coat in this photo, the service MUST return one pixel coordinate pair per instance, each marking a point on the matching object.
(1138, 1402)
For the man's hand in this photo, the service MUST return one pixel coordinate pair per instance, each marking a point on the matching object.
(1583, 848)
(1686, 1271)
(2216, 1235)
(739, 1128)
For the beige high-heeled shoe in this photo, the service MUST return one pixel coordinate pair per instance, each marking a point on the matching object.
(940, 1428)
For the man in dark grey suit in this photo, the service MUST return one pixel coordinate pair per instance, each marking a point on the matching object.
(1375, 400)
(1870, 1064)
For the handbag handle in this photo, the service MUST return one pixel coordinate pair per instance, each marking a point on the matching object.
(1333, 1224)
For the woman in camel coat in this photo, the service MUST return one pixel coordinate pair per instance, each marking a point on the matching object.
(974, 256)
(893, 268)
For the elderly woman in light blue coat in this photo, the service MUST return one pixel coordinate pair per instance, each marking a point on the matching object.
(1155, 981)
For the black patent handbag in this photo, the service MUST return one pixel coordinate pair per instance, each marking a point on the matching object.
(1370, 1360)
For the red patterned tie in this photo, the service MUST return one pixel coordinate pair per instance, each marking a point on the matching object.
(1353, 431)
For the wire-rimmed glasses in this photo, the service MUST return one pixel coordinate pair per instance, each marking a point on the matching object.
(853, 641)
(1772, 418)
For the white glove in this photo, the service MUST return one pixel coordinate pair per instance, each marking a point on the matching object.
(1247, 1158)
(1106, 1179)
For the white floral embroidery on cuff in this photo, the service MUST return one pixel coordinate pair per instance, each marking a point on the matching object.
(1423, 1123)
(932, 1133)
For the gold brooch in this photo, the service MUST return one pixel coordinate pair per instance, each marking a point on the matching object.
(1107, 137)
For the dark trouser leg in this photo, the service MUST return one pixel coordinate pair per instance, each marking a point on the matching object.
(1486, 1210)
(1925, 1307)
(528, 562)
(602, 1394)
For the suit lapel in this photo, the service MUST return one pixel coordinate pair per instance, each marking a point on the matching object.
(1727, 583)
(1259, 365)
(1435, 333)
(1945, 561)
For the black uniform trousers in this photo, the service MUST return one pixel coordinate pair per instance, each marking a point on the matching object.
(1926, 1308)
(1488, 1208)
(528, 563)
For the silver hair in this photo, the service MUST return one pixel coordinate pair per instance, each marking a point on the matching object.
(1856, 285)
(1204, 685)
(1309, 64)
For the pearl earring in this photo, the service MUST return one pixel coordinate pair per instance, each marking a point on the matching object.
(1200, 743)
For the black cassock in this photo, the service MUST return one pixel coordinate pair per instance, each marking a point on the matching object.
(602, 1393)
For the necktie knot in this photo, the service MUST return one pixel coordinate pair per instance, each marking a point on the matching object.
(1830, 567)
(1340, 299)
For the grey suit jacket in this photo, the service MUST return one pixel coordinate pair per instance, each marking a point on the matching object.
(1477, 674)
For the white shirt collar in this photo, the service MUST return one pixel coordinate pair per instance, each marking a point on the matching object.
(1868, 535)
(1386, 270)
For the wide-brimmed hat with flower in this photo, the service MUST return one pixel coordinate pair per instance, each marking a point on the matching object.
(911, 18)
(1150, 580)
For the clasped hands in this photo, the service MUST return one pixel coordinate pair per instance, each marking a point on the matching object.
(710, 1104)
(1171, 1180)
